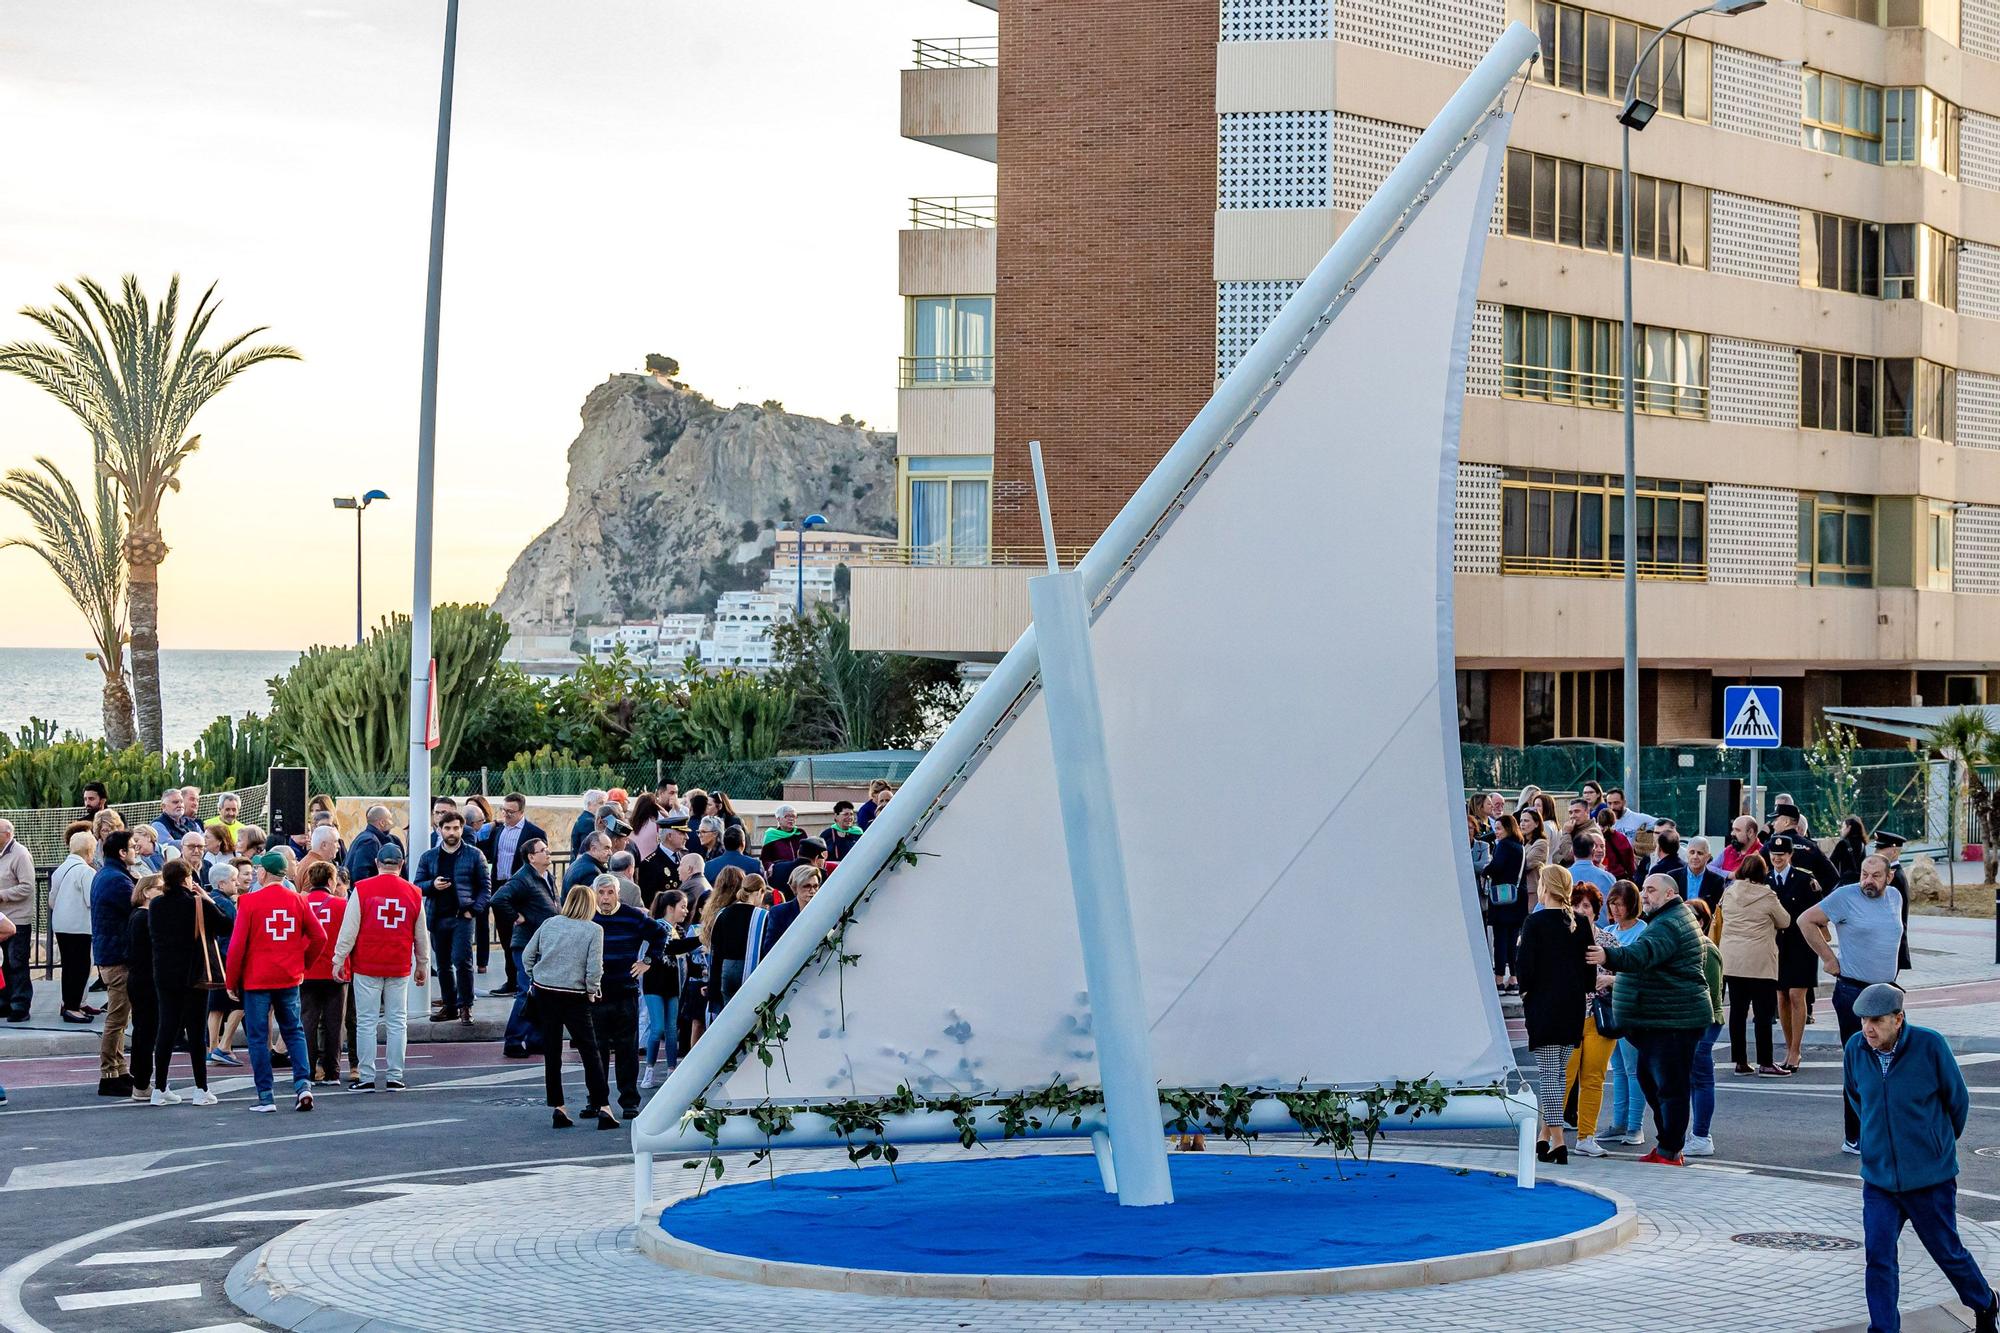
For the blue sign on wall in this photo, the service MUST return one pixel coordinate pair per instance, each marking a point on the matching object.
(1754, 713)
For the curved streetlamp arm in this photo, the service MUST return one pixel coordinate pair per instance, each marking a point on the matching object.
(1632, 79)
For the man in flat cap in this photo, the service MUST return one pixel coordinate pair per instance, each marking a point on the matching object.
(1913, 1107)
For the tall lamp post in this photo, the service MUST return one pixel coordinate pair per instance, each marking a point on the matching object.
(359, 506)
(811, 521)
(1636, 115)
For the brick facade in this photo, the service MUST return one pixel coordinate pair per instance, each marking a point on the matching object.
(1105, 303)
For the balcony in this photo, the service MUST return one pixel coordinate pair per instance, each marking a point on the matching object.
(1602, 389)
(947, 211)
(946, 372)
(1550, 566)
(951, 95)
(941, 254)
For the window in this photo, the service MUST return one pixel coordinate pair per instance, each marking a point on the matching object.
(1563, 704)
(1964, 691)
(1474, 715)
(1594, 54)
(1865, 395)
(1574, 359)
(1919, 129)
(951, 341)
(1897, 261)
(947, 509)
(1837, 540)
(1578, 204)
(1573, 523)
(1940, 546)
(1842, 117)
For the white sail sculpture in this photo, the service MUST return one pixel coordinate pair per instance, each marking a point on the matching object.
(1273, 641)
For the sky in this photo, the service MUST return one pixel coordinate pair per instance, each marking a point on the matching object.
(721, 181)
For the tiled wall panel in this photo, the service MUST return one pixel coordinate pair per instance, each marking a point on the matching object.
(1978, 410)
(1753, 384)
(1482, 361)
(1448, 32)
(1979, 151)
(1753, 535)
(1975, 550)
(1475, 547)
(1273, 159)
(1365, 151)
(1979, 281)
(1243, 310)
(1276, 20)
(1753, 238)
(1756, 95)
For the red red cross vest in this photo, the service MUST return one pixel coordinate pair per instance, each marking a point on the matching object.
(388, 939)
(326, 909)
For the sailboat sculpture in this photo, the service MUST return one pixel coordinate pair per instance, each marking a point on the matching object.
(1272, 633)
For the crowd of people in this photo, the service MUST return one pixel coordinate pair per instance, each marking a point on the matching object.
(304, 948)
(1658, 944)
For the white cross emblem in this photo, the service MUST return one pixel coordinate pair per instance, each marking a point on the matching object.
(280, 925)
(323, 912)
(391, 912)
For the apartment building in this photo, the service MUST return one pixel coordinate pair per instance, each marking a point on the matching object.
(1817, 224)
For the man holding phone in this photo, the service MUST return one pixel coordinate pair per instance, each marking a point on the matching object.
(457, 887)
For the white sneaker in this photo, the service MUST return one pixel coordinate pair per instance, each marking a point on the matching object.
(203, 1097)
(1635, 1138)
(265, 1108)
(1698, 1146)
(304, 1101)
(1851, 1148)
(646, 1078)
(1588, 1146)
(165, 1097)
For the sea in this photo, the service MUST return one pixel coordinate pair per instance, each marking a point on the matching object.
(196, 686)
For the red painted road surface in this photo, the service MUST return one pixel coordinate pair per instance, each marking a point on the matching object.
(71, 1070)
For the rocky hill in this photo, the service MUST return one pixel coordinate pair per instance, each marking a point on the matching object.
(673, 499)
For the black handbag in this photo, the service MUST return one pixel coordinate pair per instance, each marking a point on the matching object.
(1600, 1014)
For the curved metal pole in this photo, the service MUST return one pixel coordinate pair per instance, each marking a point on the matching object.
(1625, 360)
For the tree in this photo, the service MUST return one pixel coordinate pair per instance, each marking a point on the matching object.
(136, 377)
(1965, 739)
(849, 700)
(81, 547)
(662, 365)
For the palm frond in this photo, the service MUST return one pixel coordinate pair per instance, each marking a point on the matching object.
(79, 547)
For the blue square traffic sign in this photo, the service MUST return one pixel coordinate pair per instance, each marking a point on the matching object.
(1752, 714)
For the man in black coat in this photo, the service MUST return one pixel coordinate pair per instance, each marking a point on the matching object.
(363, 854)
(1694, 877)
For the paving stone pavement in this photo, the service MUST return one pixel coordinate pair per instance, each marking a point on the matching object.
(554, 1241)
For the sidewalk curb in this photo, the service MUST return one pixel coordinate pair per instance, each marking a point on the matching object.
(250, 1293)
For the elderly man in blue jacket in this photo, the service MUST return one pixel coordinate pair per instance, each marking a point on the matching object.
(1912, 1103)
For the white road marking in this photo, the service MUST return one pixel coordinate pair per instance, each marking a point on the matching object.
(15, 1318)
(110, 1257)
(505, 1076)
(397, 1189)
(272, 1215)
(127, 1167)
(98, 1300)
(224, 1328)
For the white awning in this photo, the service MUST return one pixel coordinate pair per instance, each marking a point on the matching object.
(1915, 723)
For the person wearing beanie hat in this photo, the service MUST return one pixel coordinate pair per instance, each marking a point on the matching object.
(1913, 1106)
(275, 939)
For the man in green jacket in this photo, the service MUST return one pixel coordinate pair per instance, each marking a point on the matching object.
(1660, 1003)
(1913, 1105)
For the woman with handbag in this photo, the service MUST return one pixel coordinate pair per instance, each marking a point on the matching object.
(189, 934)
(1591, 1061)
(1628, 1099)
(1507, 908)
(1554, 983)
(1701, 1081)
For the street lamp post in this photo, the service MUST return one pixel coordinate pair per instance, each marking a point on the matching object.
(360, 506)
(1636, 115)
(811, 521)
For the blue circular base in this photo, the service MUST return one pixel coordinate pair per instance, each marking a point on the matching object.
(1050, 1216)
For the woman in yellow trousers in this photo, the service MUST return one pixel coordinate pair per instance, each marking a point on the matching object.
(1587, 1065)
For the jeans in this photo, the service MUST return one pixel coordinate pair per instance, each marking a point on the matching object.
(503, 927)
(1745, 995)
(1933, 1212)
(614, 1021)
(1702, 1081)
(1628, 1102)
(183, 1025)
(117, 1013)
(451, 946)
(14, 965)
(373, 997)
(259, 1006)
(1844, 992)
(1666, 1059)
(659, 1028)
(75, 951)
(523, 1034)
(322, 1004)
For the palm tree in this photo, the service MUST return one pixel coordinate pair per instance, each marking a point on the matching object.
(136, 383)
(82, 548)
(1967, 741)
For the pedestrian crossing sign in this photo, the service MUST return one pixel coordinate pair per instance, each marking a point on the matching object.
(1754, 713)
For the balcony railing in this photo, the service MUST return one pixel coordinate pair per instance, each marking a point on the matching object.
(958, 52)
(1590, 388)
(920, 372)
(1572, 567)
(947, 211)
(959, 556)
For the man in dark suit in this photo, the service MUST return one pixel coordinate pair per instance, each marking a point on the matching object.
(1666, 850)
(502, 847)
(1696, 880)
